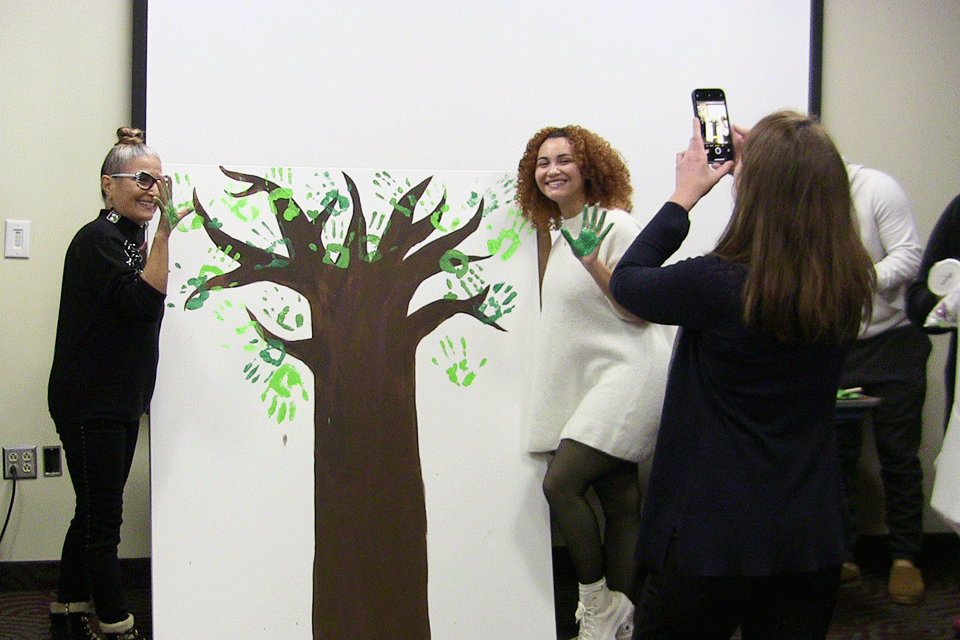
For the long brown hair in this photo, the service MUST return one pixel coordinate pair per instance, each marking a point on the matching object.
(606, 180)
(808, 276)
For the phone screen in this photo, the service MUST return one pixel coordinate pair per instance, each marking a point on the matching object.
(710, 106)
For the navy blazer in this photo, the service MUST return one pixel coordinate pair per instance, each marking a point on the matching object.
(746, 475)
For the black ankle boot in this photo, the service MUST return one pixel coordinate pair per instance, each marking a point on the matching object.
(71, 621)
(123, 630)
(129, 634)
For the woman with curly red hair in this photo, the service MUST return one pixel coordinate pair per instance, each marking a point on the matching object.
(600, 371)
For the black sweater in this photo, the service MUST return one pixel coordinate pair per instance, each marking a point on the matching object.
(944, 243)
(105, 356)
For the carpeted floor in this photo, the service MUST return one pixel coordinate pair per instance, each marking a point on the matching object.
(27, 589)
(863, 612)
(24, 614)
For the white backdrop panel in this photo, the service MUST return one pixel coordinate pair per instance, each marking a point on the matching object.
(463, 85)
(423, 85)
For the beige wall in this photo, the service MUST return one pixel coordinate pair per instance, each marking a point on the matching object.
(891, 85)
(891, 92)
(64, 89)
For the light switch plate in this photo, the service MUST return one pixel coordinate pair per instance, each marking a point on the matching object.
(17, 239)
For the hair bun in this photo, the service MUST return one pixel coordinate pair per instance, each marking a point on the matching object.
(129, 135)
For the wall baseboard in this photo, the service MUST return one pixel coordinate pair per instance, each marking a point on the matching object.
(43, 575)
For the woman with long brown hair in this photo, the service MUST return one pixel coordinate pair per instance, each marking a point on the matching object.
(743, 525)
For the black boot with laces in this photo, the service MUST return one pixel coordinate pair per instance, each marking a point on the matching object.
(71, 621)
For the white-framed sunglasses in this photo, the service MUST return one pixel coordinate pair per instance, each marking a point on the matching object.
(143, 179)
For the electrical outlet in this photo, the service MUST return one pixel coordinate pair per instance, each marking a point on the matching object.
(52, 465)
(23, 459)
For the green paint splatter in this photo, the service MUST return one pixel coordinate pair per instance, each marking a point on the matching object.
(343, 256)
(281, 318)
(455, 262)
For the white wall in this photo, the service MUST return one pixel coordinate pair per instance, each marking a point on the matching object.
(890, 67)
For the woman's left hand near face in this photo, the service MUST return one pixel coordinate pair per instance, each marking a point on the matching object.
(170, 215)
(591, 235)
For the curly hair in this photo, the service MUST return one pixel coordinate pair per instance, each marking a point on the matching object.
(605, 175)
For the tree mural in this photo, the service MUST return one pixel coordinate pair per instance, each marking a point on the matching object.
(358, 281)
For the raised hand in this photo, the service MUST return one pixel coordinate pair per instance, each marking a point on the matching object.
(695, 177)
(590, 233)
(170, 213)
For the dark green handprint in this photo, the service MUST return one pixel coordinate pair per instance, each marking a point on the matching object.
(590, 234)
(499, 302)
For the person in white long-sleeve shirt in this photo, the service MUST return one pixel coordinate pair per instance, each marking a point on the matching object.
(888, 360)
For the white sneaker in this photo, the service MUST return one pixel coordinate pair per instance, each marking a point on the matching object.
(613, 623)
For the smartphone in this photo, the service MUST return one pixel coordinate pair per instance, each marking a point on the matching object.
(710, 106)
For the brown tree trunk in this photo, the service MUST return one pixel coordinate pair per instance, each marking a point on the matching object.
(370, 568)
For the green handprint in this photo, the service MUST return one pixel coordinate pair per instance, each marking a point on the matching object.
(281, 384)
(460, 367)
(499, 302)
(511, 235)
(589, 239)
(469, 278)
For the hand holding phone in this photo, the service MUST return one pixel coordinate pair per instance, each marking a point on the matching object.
(695, 176)
(710, 107)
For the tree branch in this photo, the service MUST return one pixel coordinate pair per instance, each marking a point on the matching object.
(356, 238)
(294, 224)
(426, 261)
(423, 227)
(236, 250)
(401, 221)
(290, 347)
(431, 316)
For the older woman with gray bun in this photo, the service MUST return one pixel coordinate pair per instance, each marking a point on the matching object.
(103, 374)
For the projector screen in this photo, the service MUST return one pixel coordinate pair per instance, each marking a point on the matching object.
(461, 86)
(418, 88)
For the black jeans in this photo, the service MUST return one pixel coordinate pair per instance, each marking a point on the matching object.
(99, 454)
(891, 366)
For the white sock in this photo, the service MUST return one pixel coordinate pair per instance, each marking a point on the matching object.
(596, 594)
(65, 608)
